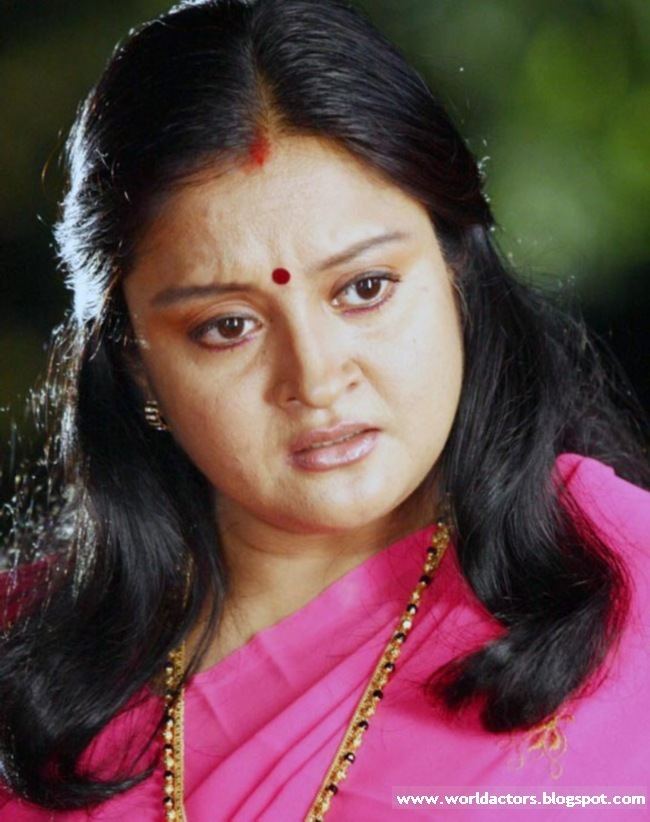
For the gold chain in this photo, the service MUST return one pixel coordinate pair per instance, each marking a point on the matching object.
(173, 737)
(353, 736)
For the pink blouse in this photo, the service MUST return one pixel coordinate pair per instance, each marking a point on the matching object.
(263, 724)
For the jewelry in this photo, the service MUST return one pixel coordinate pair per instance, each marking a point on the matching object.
(173, 738)
(353, 736)
(153, 416)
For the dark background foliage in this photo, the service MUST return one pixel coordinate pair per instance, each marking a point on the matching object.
(552, 96)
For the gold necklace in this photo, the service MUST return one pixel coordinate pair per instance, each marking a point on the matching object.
(353, 736)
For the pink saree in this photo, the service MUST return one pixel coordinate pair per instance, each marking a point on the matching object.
(262, 725)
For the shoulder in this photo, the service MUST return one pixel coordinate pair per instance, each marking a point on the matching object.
(22, 586)
(618, 509)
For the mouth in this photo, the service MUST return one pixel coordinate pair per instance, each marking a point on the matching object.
(325, 437)
(328, 454)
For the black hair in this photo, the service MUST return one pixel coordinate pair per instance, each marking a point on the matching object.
(121, 515)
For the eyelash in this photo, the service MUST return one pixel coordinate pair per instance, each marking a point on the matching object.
(198, 333)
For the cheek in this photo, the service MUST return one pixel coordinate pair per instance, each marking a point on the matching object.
(427, 388)
(221, 434)
(425, 355)
(213, 420)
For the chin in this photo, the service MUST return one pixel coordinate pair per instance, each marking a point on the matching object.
(337, 517)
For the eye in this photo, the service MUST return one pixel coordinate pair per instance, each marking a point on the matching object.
(365, 293)
(218, 331)
(368, 287)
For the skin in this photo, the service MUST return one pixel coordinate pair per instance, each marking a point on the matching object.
(306, 358)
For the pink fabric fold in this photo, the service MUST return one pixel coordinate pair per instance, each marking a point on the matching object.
(262, 725)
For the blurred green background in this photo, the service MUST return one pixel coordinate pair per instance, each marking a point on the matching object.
(553, 96)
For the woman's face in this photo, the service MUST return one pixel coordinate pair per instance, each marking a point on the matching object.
(240, 373)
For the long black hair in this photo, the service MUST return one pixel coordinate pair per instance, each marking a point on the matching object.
(119, 516)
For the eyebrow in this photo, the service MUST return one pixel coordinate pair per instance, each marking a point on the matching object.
(176, 294)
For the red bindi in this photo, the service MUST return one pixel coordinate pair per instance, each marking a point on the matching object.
(280, 276)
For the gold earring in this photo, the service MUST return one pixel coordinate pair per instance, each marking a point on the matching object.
(153, 416)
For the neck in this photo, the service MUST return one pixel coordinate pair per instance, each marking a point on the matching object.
(266, 562)
(273, 572)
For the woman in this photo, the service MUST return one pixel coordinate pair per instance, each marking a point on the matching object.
(335, 505)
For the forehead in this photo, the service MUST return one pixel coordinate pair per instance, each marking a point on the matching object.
(308, 196)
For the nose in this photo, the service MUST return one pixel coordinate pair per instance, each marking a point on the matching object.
(315, 366)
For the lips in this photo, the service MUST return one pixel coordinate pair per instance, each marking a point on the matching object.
(346, 451)
(320, 437)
